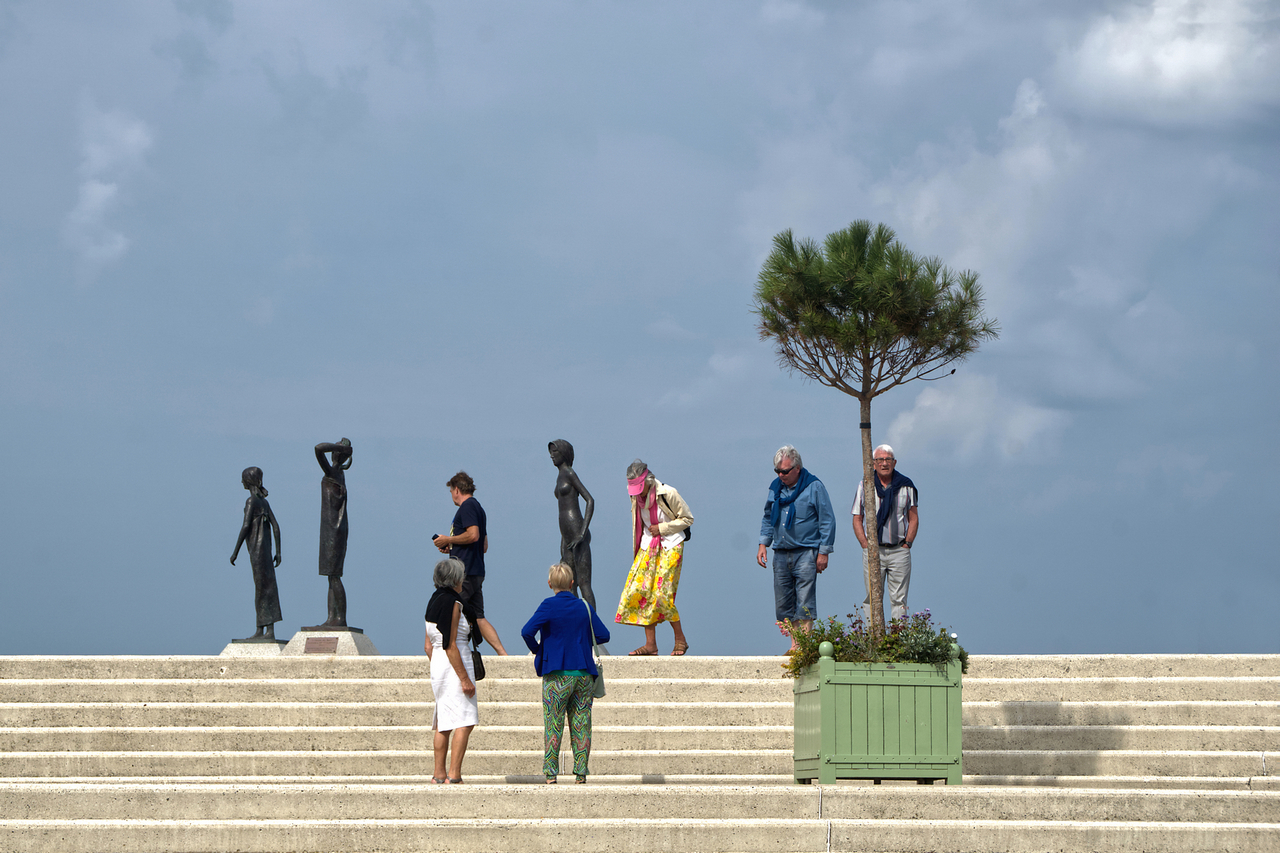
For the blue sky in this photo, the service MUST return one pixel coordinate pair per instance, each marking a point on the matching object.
(453, 232)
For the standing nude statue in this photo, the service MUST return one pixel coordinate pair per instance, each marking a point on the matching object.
(333, 525)
(259, 524)
(575, 538)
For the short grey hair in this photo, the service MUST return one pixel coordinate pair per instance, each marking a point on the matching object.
(449, 573)
(786, 451)
(636, 468)
(886, 448)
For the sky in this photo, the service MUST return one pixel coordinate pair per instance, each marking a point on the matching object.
(451, 232)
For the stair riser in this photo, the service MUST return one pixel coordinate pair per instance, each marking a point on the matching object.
(626, 836)
(424, 802)
(134, 714)
(415, 733)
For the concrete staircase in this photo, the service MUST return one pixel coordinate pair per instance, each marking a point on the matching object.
(690, 754)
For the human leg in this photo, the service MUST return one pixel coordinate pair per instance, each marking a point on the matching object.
(440, 752)
(472, 596)
(581, 565)
(337, 603)
(897, 578)
(555, 700)
(458, 746)
(579, 710)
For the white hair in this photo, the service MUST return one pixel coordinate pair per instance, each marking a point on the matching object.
(786, 451)
(886, 448)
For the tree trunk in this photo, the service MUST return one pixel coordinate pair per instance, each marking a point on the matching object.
(872, 574)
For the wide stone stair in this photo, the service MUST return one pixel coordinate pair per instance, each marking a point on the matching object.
(321, 753)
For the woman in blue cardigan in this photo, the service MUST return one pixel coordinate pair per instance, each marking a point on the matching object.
(562, 656)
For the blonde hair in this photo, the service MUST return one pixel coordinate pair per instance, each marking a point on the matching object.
(560, 577)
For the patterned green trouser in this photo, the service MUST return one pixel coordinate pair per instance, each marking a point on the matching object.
(569, 694)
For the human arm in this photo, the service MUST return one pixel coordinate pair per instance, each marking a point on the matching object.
(602, 630)
(244, 530)
(466, 537)
(588, 508)
(677, 509)
(766, 530)
(321, 450)
(913, 524)
(275, 528)
(455, 656)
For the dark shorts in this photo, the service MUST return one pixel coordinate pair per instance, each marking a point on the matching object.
(473, 595)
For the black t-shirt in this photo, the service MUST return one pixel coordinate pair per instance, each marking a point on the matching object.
(470, 514)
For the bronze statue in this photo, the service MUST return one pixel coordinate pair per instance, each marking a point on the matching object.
(259, 524)
(333, 525)
(575, 538)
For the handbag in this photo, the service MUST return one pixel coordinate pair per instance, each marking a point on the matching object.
(477, 662)
(598, 690)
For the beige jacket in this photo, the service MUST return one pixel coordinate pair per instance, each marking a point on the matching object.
(670, 502)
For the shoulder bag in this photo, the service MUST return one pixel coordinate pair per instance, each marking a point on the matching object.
(598, 691)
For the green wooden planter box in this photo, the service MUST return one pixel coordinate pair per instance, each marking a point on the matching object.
(877, 721)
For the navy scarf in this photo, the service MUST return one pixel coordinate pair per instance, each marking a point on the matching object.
(778, 502)
(888, 496)
(440, 612)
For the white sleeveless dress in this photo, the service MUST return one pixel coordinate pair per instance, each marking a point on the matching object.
(453, 707)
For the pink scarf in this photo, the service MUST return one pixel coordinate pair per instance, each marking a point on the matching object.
(656, 542)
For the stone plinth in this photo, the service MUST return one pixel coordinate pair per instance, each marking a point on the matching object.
(254, 648)
(342, 642)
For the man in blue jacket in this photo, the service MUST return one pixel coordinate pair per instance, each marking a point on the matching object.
(801, 525)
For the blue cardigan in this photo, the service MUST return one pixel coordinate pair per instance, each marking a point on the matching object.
(566, 642)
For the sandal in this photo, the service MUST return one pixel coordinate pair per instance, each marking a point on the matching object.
(437, 781)
(581, 779)
(643, 652)
(551, 780)
(680, 649)
(457, 781)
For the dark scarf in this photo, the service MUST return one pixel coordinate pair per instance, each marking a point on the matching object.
(888, 496)
(778, 502)
(440, 612)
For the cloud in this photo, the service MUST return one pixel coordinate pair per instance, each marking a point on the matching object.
(963, 418)
(1178, 62)
(113, 147)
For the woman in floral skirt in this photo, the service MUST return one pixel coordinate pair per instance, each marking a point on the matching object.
(660, 521)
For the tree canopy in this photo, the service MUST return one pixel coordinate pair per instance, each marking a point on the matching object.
(863, 314)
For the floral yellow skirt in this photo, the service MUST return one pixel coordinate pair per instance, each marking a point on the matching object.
(649, 596)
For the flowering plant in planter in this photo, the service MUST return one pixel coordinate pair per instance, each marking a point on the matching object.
(908, 639)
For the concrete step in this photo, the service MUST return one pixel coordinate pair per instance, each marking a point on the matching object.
(646, 691)
(611, 835)
(1117, 763)
(1166, 713)
(167, 801)
(1158, 738)
(493, 713)
(658, 762)
(976, 714)
(416, 731)
(1030, 667)
(402, 737)
(621, 690)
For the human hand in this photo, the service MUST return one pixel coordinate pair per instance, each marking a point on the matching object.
(468, 688)
(653, 530)
(762, 557)
(822, 563)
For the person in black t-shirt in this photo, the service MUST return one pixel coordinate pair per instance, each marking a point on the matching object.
(468, 540)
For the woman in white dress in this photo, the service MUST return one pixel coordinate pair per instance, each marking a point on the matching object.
(452, 675)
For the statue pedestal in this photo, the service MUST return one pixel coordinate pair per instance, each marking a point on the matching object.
(319, 640)
(254, 648)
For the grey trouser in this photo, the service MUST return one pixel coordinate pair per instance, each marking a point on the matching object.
(895, 572)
